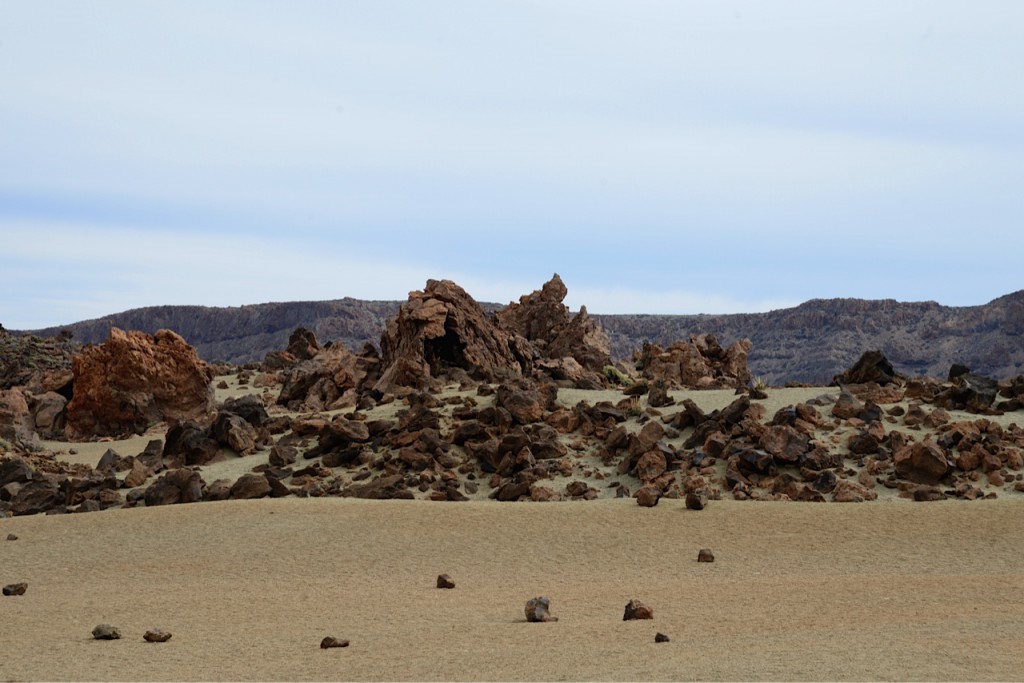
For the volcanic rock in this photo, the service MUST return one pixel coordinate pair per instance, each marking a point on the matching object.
(250, 486)
(705, 555)
(647, 496)
(48, 416)
(697, 500)
(637, 610)
(925, 462)
(15, 589)
(106, 632)
(189, 443)
(700, 363)
(872, 366)
(444, 327)
(331, 641)
(661, 638)
(176, 486)
(156, 635)
(38, 495)
(134, 380)
(328, 381)
(16, 423)
(846, 491)
(234, 432)
(541, 318)
(537, 610)
(445, 581)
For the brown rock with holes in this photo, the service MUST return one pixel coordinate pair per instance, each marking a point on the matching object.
(705, 555)
(637, 610)
(134, 380)
(443, 327)
(331, 641)
(15, 589)
(542, 319)
(537, 610)
(156, 635)
(445, 581)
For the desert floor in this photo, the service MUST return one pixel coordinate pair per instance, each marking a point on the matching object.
(798, 591)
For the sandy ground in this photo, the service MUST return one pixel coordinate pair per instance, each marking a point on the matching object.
(885, 590)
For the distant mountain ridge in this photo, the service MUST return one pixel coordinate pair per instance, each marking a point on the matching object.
(809, 343)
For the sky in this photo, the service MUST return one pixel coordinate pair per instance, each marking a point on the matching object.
(661, 156)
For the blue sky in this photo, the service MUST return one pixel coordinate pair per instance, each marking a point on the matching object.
(662, 156)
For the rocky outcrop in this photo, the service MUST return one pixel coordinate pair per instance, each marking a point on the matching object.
(441, 329)
(133, 381)
(17, 428)
(542, 318)
(331, 379)
(41, 363)
(701, 363)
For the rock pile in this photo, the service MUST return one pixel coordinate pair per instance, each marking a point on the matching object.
(700, 363)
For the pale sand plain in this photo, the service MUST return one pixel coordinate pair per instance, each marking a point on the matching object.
(798, 591)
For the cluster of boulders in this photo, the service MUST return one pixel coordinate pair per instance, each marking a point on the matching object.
(505, 433)
(442, 335)
(700, 363)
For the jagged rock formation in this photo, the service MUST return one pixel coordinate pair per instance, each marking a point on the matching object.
(701, 363)
(545, 321)
(443, 328)
(133, 381)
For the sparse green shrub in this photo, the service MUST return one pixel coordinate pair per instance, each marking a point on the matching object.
(614, 375)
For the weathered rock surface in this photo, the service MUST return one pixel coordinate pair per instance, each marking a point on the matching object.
(106, 632)
(443, 328)
(133, 381)
(872, 366)
(701, 363)
(542, 318)
(156, 635)
(16, 424)
(537, 610)
(15, 589)
(925, 462)
(637, 610)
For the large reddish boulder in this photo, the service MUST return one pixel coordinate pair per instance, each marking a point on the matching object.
(444, 328)
(134, 380)
(925, 462)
